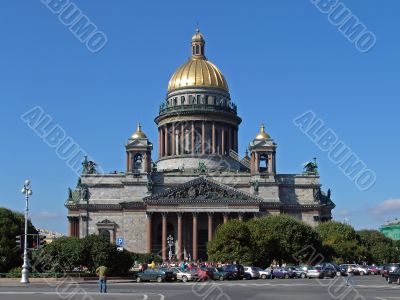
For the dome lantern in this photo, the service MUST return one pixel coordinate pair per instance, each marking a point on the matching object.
(198, 43)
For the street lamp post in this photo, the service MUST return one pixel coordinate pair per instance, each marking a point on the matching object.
(27, 191)
(170, 240)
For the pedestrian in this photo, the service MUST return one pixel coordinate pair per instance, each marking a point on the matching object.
(271, 271)
(102, 273)
(349, 279)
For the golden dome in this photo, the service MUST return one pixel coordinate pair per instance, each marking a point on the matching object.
(262, 135)
(138, 134)
(197, 71)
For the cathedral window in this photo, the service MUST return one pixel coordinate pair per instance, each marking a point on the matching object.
(183, 100)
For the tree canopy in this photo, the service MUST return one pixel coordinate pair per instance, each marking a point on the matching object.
(232, 242)
(11, 224)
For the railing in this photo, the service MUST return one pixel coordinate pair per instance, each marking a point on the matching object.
(196, 107)
(243, 161)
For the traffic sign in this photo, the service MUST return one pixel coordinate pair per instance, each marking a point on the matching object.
(120, 241)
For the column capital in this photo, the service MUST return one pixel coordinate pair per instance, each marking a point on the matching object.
(179, 214)
(210, 213)
(195, 214)
(148, 214)
(164, 214)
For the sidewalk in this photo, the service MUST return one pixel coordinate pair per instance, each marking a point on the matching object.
(16, 281)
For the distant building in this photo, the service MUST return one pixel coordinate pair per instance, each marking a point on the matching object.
(391, 230)
(50, 236)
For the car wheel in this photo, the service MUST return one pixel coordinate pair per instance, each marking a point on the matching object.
(138, 280)
(303, 275)
(286, 276)
(389, 281)
(372, 273)
(159, 279)
(263, 276)
(398, 281)
(184, 278)
(221, 278)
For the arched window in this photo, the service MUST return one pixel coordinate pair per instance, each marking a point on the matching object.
(183, 100)
(197, 49)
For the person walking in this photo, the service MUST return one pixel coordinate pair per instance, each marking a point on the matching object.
(102, 273)
(349, 279)
(271, 271)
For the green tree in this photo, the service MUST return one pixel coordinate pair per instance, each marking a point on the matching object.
(341, 242)
(231, 242)
(380, 249)
(284, 239)
(11, 224)
(62, 255)
(67, 253)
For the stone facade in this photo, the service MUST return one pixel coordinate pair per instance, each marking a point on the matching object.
(199, 180)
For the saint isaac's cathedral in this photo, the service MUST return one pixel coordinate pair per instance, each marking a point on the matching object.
(198, 180)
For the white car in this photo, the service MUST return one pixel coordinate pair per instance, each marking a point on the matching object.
(362, 270)
(251, 273)
(264, 274)
(185, 276)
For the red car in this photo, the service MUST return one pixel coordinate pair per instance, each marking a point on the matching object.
(373, 270)
(204, 274)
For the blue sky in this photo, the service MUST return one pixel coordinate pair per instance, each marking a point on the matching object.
(281, 58)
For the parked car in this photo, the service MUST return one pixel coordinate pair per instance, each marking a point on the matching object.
(394, 276)
(373, 270)
(220, 274)
(264, 274)
(251, 273)
(203, 273)
(340, 271)
(236, 270)
(300, 273)
(388, 268)
(283, 273)
(354, 267)
(185, 275)
(362, 270)
(321, 272)
(158, 275)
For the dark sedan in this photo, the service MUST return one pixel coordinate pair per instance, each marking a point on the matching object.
(284, 273)
(158, 275)
(236, 270)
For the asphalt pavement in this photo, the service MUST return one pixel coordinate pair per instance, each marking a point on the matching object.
(364, 287)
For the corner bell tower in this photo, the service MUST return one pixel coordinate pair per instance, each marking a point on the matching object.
(138, 152)
(262, 154)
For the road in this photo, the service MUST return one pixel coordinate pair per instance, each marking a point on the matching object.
(365, 287)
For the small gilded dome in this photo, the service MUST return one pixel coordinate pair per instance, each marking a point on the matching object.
(262, 135)
(198, 37)
(138, 134)
(198, 71)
